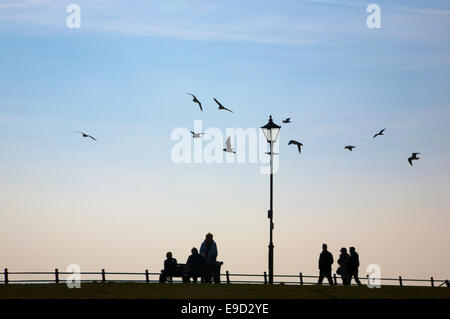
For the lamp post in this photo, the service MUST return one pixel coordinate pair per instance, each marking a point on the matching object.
(271, 131)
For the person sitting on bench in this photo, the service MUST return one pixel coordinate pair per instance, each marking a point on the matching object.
(170, 266)
(195, 261)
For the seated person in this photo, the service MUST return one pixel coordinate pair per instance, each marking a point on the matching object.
(170, 266)
(195, 260)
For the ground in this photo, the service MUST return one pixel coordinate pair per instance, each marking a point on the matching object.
(181, 291)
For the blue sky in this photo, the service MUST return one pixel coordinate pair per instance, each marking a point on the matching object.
(123, 76)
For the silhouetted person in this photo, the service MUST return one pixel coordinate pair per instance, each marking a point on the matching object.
(353, 265)
(195, 260)
(325, 262)
(170, 263)
(170, 266)
(208, 250)
(343, 262)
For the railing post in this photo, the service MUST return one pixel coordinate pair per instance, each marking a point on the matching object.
(432, 282)
(400, 280)
(228, 277)
(6, 276)
(265, 277)
(147, 279)
(301, 279)
(103, 275)
(57, 276)
(335, 279)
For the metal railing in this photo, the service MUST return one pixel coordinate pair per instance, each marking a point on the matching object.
(10, 277)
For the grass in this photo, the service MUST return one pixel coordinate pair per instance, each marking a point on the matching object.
(223, 291)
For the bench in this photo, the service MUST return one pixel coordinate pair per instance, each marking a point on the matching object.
(186, 271)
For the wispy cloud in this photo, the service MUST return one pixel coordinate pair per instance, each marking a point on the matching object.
(337, 2)
(24, 3)
(429, 64)
(200, 20)
(162, 20)
(279, 33)
(403, 9)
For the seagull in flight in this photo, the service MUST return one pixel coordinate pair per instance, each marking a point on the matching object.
(196, 135)
(85, 135)
(379, 133)
(349, 147)
(221, 107)
(299, 145)
(196, 101)
(412, 158)
(288, 120)
(229, 149)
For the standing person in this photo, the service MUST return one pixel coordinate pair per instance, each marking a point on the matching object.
(195, 260)
(208, 250)
(353, 265)
(343, 262)
(325, 262)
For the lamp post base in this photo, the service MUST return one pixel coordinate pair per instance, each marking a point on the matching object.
(271, 263)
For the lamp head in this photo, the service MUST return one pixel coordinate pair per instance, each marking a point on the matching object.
(271, 131)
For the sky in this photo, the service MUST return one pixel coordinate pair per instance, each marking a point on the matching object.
(121, 203)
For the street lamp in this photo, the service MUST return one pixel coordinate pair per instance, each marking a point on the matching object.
(271, 131)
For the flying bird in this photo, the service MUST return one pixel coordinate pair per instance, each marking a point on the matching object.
(221, 107)
(196, 101)
(349, 147)
(229, 149)
(288, 120)
(85, 135)
(412, 158)
(196, 135)
(379, 133)
(299, 145)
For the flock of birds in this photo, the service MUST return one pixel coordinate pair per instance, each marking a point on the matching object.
(349, 147)
(228, 148)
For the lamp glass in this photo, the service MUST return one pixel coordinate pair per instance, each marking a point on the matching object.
(274, 134)
(271, 131)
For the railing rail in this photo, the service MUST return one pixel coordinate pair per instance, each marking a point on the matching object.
(56, 276)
